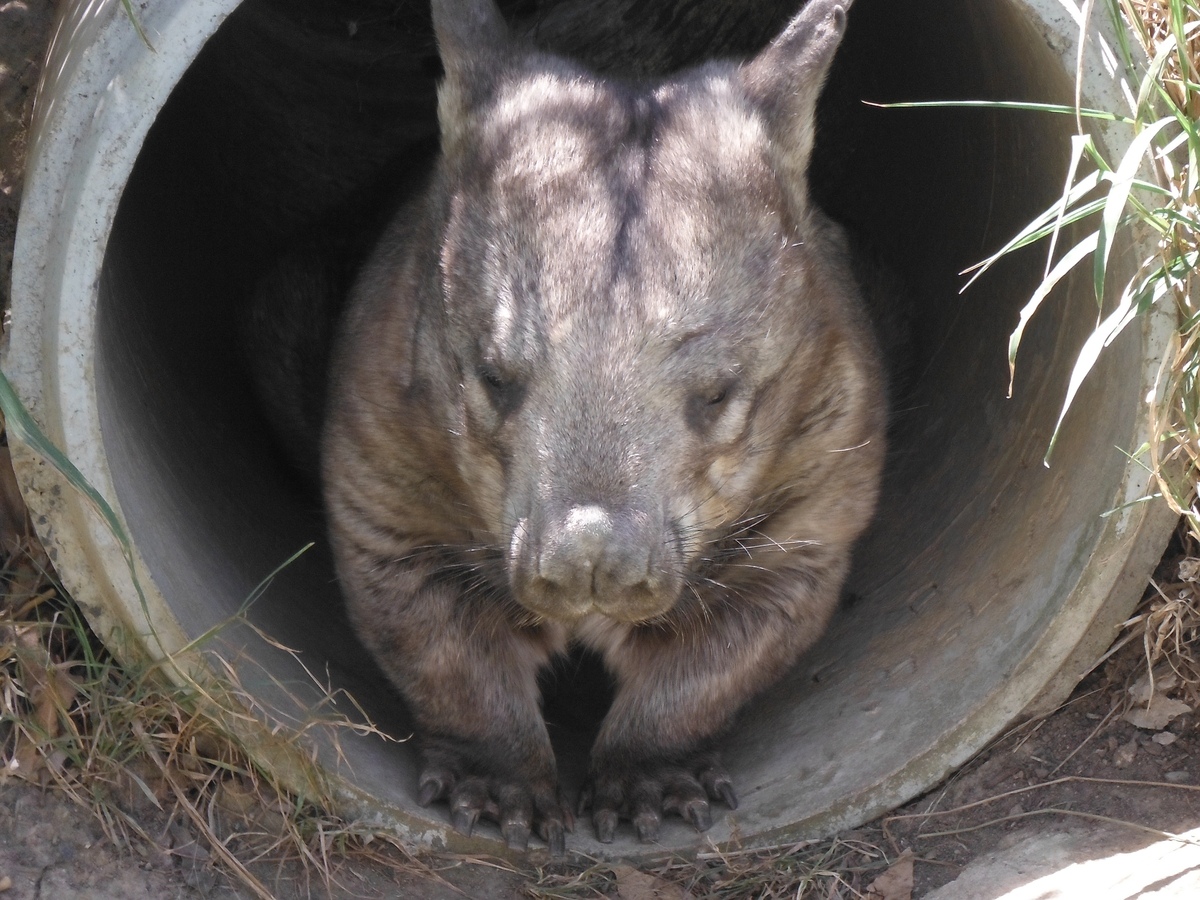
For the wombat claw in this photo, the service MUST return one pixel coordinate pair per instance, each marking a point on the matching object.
(645, 798)
(718, 786)
(519, 811)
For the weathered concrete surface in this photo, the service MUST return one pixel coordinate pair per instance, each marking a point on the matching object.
(1085, 862)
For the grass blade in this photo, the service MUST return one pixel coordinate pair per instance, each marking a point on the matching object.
(1085, 18)
(1079, 146)
(1115, 10)
(1072, 258)
(127, 5)
(1177, 19)
(1114, 207)
(21, 426)
(1065, 109)
(1104, 334)
(1042, 225)
(1152, 83)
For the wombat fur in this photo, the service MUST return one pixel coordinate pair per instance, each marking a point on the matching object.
(607, 382)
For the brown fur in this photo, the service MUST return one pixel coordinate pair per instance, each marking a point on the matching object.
(608, 381)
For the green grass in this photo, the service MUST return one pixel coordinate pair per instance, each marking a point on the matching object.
(1150, 189)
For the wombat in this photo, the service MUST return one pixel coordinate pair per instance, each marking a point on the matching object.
(607, 382)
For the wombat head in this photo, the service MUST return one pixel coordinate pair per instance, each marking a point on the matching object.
(654, 331)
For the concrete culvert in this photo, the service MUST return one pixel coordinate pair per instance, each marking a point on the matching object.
(163, 180)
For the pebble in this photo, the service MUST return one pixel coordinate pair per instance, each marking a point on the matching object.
(1178, 777)
(1124, 755)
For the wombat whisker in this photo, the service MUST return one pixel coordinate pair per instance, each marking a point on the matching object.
(709, 580)
(751, 566)
(858, 446)
(746, 526)
(705, 612)
(770, 543)
(741, 545)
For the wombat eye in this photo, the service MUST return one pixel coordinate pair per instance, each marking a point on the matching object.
(505, 394)
(492, 378)
(706, 406)
(718, 393)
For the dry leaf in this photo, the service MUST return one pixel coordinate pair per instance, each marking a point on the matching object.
(52, 692)
(27, 762)
(24, 559)
(1144, 692)
(633, 884)
(1159, 714)
(183, 844)
(236, 798)
(14, 520)
(896, 883)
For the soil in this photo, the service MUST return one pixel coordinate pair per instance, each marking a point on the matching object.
(1053, 793)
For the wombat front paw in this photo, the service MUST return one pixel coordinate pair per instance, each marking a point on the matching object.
(519, 807)
(644, 791)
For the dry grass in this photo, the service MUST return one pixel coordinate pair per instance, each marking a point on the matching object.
(1152, 21)
(1169, 30)
(156, 763)
(837, 869)
(1168, 623)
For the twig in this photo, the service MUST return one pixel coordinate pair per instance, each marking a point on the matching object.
(1066, 779)
(1056, 811)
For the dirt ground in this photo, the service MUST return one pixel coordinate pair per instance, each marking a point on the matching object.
(1095, 782)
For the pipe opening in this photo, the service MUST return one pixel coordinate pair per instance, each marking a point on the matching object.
(293, 105)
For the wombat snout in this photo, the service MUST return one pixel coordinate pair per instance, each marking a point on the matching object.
(592, 559)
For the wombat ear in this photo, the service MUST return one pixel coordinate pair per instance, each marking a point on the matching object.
(474, 42)
(785, 80)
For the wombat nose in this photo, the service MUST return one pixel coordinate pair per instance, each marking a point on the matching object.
(595, 553)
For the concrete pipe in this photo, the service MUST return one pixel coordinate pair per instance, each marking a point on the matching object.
(164, 175)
